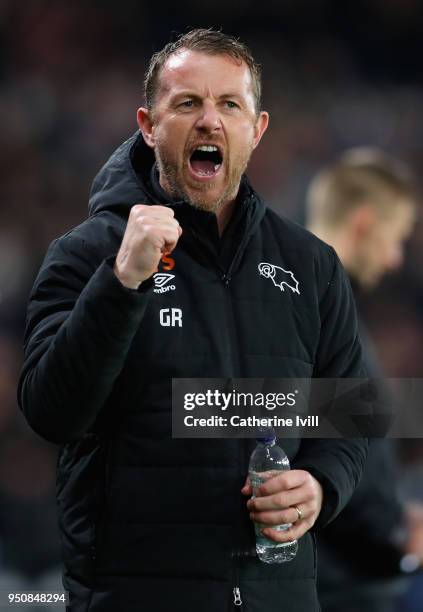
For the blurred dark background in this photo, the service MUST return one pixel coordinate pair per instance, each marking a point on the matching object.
(336, 75)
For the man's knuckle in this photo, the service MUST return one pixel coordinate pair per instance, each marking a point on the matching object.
(308, 479)
(280, 499)
(309, 487)
(148, 231)
(309, 496)
(140, 219)
(137, 209)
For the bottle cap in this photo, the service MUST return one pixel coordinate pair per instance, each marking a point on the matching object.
(265, 434)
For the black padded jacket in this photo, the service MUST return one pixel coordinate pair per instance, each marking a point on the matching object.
(150, 522)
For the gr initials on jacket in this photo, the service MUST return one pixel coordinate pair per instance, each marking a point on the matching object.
(150, 522)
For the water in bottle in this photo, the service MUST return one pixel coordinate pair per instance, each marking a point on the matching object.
(267, 460)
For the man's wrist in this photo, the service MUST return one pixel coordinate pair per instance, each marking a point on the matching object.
(126, 280)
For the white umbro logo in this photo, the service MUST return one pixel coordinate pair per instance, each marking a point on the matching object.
(161, 282)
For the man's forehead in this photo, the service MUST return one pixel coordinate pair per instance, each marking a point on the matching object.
(188, 69)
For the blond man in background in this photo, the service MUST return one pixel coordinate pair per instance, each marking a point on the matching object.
(364, 205)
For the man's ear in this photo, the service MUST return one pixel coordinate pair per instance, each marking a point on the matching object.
(260, 127)
(362, 220)
(145, 123)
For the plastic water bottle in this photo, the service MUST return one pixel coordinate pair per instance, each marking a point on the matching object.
(267, 460)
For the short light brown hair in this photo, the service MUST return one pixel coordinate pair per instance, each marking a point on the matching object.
(212, 42)
(360, 176)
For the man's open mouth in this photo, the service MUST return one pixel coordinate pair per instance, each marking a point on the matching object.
(205, 161)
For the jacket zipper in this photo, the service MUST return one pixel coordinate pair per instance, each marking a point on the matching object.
(237, 597)
(236, 591)
(240, 547)
(226, 277)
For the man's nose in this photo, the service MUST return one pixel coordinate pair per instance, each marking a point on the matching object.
(209, 119)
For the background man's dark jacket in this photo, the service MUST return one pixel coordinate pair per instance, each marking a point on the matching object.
(359, 552)
(150, 522)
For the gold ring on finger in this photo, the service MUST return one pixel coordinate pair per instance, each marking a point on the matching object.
(300, 514)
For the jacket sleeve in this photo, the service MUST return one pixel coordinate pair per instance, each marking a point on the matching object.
(337, 463)
(80, 324)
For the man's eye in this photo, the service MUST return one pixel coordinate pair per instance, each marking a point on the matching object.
(231, 104)
(187, 103)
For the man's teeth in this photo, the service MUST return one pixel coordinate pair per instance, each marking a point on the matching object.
(205, 173)
(207, 148)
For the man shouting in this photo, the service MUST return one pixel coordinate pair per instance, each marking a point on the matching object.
(163, 280)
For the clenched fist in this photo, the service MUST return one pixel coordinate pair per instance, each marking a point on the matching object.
(151, 232)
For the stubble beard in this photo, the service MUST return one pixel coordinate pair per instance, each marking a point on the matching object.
(171, 180)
